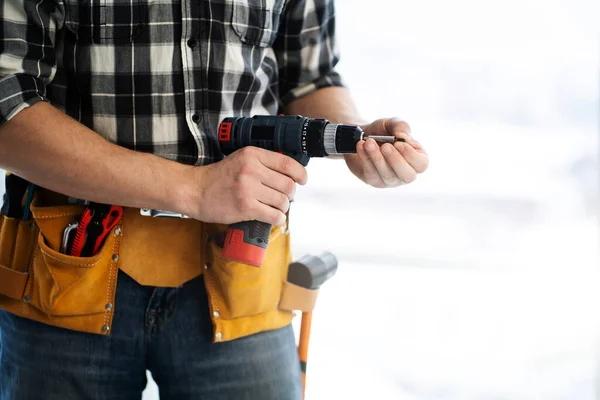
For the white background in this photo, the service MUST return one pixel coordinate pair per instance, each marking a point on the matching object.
(480, 280)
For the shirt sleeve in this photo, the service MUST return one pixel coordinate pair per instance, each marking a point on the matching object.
(27, 57)
(306, 49)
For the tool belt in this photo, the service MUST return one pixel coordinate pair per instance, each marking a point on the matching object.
(39, 282)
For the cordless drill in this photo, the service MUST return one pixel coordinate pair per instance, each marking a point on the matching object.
(295, 136)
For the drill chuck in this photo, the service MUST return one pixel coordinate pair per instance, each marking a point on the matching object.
(345, 138)
(329, 138)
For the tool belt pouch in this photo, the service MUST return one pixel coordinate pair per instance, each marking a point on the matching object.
(38, 282)
(16, 244)
(244, 299)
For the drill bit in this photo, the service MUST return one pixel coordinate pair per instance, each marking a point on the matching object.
(385, 139)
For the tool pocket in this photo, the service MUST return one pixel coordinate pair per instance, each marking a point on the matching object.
(63, 285)
(256, 22)
(239, 290)
(17, 239)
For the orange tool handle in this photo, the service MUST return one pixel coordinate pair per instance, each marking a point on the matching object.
(303, 346)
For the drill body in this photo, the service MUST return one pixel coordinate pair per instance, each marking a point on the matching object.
(276, 133)
(295, 136)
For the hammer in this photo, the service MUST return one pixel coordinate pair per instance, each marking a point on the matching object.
(310, 272)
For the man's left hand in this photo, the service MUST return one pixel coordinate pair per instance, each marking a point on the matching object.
(390, 165)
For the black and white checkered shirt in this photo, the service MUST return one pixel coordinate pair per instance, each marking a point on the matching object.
(159, 75)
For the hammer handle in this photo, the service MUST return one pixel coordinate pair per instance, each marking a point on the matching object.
(303, 346)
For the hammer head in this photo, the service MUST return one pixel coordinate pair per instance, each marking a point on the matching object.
(311, 271)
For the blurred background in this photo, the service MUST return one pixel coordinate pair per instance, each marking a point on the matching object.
(479, 280)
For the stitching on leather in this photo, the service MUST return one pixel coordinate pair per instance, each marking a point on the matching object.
(68, 262)
(32, 272)
(111, 277)
(32, 242)
(208, 284)
(57, 215)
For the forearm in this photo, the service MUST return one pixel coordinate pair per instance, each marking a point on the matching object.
(48, 148)
(332, 103)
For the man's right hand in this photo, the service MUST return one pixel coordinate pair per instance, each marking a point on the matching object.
(249, 184)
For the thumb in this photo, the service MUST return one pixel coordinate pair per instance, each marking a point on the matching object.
(389, 126)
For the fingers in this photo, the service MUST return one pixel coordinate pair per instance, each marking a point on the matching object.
(384, 169)
(269, 214)
(273, 205)
(390, 126)
(397, 127)
(416, 157)
(402, 168)
(284, 165)
(279, 182)
(273, 198)
(416, 145)
(390, 165)
(369, 171)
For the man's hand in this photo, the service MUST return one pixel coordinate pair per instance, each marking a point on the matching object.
(390, 165)
(249, 184)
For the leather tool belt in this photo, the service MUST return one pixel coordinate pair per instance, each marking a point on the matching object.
(39, 282)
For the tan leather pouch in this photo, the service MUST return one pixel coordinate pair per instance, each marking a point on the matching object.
(244, 299)
(161, 251)
(8, 237)
(16, 246)
(63, 285)
(70, 292)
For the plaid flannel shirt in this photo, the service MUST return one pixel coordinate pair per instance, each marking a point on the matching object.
(158, 76)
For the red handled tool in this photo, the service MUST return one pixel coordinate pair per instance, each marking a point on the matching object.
(80, 235)
(95, 224)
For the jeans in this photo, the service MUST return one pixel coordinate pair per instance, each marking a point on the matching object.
(167, 331)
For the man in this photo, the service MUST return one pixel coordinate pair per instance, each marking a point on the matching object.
(118, 102)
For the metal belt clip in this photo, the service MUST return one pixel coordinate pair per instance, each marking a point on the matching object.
(76, 201)
(146, 212)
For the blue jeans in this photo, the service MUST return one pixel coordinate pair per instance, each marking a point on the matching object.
(167, 331)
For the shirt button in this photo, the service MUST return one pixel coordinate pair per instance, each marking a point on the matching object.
(192, 43)
(196, 118)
